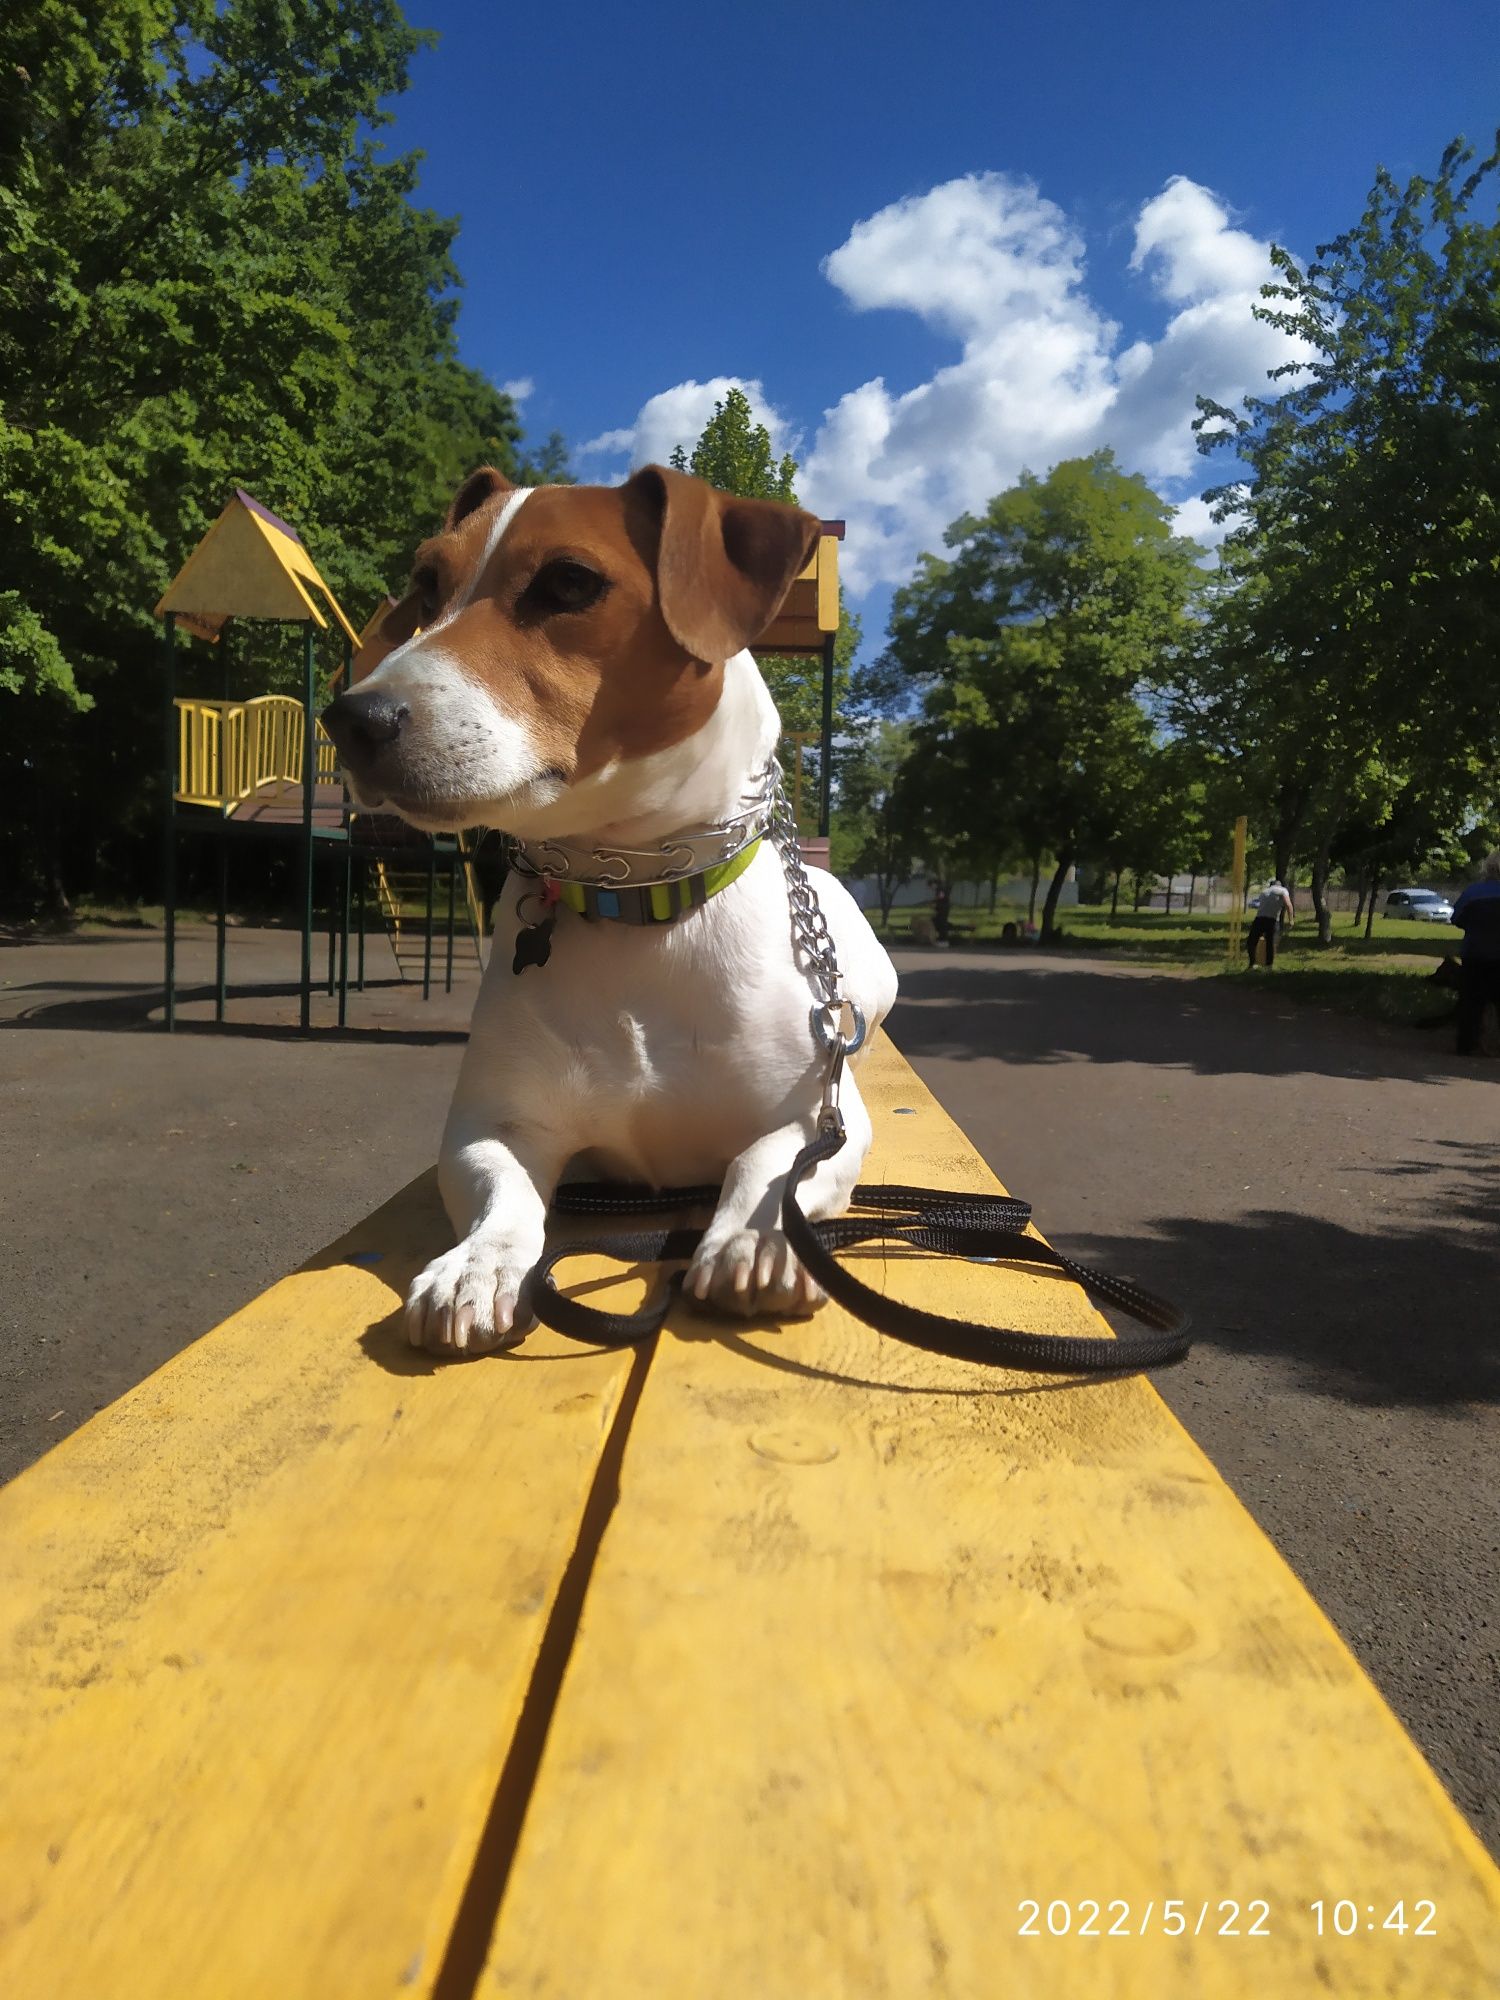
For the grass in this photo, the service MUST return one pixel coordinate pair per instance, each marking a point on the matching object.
(1383, 977)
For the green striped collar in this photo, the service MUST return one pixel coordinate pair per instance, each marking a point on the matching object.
(650, 902)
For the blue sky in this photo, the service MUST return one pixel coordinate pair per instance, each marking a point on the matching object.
(944, 241)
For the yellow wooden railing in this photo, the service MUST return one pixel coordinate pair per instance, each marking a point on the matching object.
(228, 749)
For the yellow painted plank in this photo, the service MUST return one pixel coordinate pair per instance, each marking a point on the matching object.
(828, 583)
(265, 1628)
(878, 1647)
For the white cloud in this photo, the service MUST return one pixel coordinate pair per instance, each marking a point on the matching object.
(1194, 519)
(1040, 372)
(519, 390)
(1183, 235)
(677, 417)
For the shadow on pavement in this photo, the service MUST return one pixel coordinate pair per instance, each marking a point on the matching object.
(115, 1007)
(1391, 1320)
(1043, 1011)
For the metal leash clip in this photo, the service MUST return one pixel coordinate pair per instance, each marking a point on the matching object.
(827, 1019)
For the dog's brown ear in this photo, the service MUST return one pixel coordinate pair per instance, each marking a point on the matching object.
(723, 564)
(477, 488)
(402, 621)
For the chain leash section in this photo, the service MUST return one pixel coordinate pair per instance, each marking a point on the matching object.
(838, 1026)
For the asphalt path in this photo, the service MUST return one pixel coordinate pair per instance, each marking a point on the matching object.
(1323, 1195)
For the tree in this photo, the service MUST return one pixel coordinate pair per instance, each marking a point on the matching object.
(1035, 639)
(874, 834)
(1351, 663)
(209, 277)
(734, 454)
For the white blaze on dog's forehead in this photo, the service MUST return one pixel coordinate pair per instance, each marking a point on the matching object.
(492, 542)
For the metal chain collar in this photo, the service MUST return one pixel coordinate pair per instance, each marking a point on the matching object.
(614, 867)
(811, 935)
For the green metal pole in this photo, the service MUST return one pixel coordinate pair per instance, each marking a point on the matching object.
(427, 942)
(309, 770)
(825, 774)
(223, 907)
(344, 934)
(169, 829)
(333, 932)
(222, 836)
(452, 878)
(364, 869)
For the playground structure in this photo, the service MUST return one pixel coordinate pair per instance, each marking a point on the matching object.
(262, 769)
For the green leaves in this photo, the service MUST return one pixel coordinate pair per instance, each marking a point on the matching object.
(1349, 662)
(734, 454)
(209, 277)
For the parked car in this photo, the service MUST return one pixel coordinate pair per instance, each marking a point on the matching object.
(1423, 906)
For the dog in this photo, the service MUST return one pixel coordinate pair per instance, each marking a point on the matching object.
(570, 665)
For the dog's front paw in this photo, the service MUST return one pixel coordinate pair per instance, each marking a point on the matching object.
(752, 1271)
(468, 1300)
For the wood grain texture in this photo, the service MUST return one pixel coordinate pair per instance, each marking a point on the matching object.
(878, 1645)
(265, 1629)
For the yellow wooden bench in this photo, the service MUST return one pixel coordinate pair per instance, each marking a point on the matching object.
(767, 1663)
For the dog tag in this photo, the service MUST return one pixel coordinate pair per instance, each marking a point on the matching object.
(533, 945)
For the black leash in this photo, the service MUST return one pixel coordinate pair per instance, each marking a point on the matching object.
(947, 1222)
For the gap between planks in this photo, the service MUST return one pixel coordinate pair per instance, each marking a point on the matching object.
(478, 1910)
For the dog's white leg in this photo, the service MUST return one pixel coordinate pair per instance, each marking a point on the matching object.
(744, 1263)
(496, 1189)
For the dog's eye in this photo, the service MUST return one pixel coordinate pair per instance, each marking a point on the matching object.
(428, 585)
(564, 585)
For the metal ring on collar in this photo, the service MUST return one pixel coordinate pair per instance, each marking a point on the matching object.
(828, 1037)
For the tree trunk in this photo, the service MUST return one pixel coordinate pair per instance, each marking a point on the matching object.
(1169, 896)
(1114, 901)
(994, 888)
(1370, 908)
(1319, 891)
(1054, 890)
(1036, 876)
(1192, 890)
(1136, 888)
(1359, 908)
(1291, 812)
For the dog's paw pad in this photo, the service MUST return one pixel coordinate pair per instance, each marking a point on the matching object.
(752, 1271)
(468, 1301)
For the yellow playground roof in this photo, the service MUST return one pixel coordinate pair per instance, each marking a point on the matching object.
(250, 564)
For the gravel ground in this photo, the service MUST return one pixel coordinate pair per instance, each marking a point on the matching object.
(1323, 1195)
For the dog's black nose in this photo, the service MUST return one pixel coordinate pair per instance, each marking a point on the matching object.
(364, 721)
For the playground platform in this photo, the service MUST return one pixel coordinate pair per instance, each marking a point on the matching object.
(762, 1661)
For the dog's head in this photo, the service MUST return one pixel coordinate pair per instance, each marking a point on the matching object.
(553, 633)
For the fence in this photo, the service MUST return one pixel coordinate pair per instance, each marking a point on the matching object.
(228, 749)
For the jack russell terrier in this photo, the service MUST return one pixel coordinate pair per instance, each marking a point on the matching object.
(570, 665)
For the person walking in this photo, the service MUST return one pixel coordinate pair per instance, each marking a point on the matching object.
(1271, 906)
(1477, 914)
